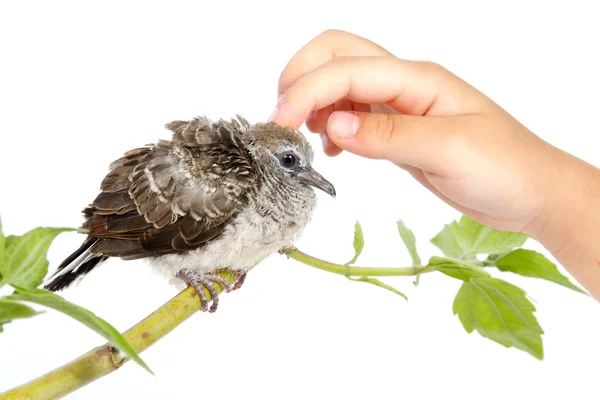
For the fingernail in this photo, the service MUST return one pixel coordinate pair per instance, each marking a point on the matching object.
(343, 125)
(325, 140)
(277, 109)
(274, 114)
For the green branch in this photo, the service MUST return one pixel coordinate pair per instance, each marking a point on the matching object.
(106, 359)
(346, 270)
(480, 294)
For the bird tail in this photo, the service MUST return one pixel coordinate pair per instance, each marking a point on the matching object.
(75, 266)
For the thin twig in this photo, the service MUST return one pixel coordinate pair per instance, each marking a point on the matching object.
(346, 270)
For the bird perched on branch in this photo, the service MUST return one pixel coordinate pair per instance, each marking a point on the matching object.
(218, 195)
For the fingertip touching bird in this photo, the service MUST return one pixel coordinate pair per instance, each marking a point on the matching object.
(218, 195)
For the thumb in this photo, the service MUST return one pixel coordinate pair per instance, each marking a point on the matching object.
(402, 139)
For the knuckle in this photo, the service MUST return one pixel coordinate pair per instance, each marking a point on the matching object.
(433, 67)
(341, 61)
(382, 129)
(329, 33)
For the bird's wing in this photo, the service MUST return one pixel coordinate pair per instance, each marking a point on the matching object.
(173, 196)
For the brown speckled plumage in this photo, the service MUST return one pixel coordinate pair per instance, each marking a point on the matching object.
(179, 195)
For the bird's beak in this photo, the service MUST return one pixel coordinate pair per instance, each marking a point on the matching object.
(311, 177)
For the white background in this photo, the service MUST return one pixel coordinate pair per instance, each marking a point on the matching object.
(79, 85)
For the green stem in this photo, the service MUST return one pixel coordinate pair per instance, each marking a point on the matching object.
(106, 359)
(346, 270)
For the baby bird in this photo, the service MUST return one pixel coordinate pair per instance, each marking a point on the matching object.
(218, 195)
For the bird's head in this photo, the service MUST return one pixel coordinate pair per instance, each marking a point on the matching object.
(286, 151)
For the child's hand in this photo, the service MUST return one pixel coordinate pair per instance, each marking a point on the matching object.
(453, 139)
(450, 137)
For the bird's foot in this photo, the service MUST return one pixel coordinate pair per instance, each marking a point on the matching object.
(200, 281)
(240, 280)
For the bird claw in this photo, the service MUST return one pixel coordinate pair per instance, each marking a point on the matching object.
(240, 280)
(200, 281)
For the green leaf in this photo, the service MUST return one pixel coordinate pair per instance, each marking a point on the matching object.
(377, 282)
(467, 238)
(359, 243)
(11, 310)
(84, 316)
(533, 264)
(25, 263)
(410, 242)
(2, 245)
(447, 241)
(457, 268)
(501, 312)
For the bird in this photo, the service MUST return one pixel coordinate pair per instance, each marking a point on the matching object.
(220, 195)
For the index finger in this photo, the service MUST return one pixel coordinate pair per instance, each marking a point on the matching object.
(324, 48)
(411, 88)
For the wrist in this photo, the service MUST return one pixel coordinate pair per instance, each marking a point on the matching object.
(571, 196)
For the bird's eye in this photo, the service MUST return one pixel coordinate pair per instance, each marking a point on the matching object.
(288, 160)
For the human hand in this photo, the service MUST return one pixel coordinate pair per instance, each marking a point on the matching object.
(453, 139)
